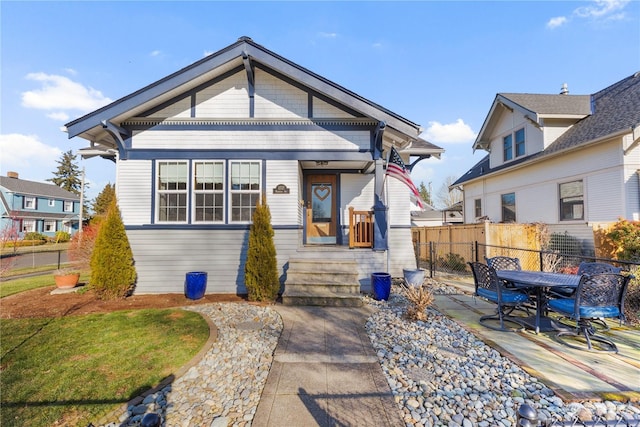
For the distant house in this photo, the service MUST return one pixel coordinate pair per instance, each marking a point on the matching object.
(196, 150)
(570, 161)
(36, 206)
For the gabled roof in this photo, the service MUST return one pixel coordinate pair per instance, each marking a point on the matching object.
(535, 107)
(90, 126)
(33, 188)
(614, 110)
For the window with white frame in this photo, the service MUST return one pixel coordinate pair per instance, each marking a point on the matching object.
(50, 225)
(571, 201)
(29, 202)
(509, 207)
(508, 145)
(68, 205)
(244, 189)
(52, 203)
(519, 139)
(28, 225)
(208, 191)
(477, 203)
(172, 191)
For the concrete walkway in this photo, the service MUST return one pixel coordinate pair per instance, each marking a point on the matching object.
(325, 373)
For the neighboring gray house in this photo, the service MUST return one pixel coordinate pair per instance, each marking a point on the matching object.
(570, 161)
(36, 206)
(196, 149)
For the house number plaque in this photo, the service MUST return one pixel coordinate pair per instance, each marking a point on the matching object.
(280, 189)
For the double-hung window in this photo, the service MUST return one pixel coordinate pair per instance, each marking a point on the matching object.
(508, 145)
(571, 201)
(29, 202)
(28, 225)
(509, 207)
(208, 190)
(173, 177)
(244, 189)
(68, 206)
(478, 207)
(50, 225)
(52, 203)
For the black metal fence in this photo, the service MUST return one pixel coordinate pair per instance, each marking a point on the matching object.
(446, 259)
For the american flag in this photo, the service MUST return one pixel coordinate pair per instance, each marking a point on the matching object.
(396, 169)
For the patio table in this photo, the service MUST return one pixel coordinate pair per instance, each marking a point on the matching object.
(540, 281)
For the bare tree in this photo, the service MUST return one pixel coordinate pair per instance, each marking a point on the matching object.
(446, 198)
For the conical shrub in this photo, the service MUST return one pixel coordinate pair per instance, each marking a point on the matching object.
(113, 274)
(261, 268)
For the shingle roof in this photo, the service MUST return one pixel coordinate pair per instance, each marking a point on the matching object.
(33, 188)
(551, 104)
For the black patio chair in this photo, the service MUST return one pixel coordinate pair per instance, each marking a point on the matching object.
(504, 263)
(490, 288)
(598, 296)
(585, 268)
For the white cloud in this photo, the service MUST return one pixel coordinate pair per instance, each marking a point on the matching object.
(59, 115)
(452, 133)
(601, 9)
(156, 53)
(596, 10)
(61, 93)
(556, 22)
(328, 35)
(19, 151)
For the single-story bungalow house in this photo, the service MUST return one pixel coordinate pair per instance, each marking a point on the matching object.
(196, 150)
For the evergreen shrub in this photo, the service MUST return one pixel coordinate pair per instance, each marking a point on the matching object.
(113, 274)
(261, 268)
(62, 237)
(34, 235)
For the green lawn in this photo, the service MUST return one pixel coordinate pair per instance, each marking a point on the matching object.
(73, 370)
(14, 286)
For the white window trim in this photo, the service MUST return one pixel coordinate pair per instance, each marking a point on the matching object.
(231, 191)
(67, 203)
(158, 192)
(50, 221)
(31, 199)
(193, 191)
(32, 222)
(584, 202)
(51, 203)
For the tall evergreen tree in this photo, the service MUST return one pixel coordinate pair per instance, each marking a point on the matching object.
(425, 193)
(113, 274)
(68, 174)
(103, 200)
(261, 268)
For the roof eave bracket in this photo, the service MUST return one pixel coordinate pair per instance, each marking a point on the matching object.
(118, 134)
(425, 156)
(251, 80)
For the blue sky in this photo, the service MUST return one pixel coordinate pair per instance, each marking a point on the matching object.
(439, 64)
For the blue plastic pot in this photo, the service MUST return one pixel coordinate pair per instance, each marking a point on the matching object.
(381, 285)
(195, 284)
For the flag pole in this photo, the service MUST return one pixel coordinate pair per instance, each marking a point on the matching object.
(386, 203)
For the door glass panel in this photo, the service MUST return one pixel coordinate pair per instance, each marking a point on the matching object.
(321, 202)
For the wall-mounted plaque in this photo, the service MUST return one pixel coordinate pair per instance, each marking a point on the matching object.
(281, 189)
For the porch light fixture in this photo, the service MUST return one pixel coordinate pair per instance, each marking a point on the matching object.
(321, 163)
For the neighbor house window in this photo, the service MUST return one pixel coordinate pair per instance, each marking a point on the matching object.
(509, 207)
(519, 137)
(172, 191)
(571, 201)
(478, 207)
(507, 147)
(28, 225)
(208, 191)
(52, 203)
(68, 206)
(244, 189)
(49, 225)
(29, 202)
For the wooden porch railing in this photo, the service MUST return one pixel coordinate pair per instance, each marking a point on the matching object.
(360, 228)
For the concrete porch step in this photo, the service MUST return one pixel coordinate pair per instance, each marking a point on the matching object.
(322, 298)
(324, 282)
